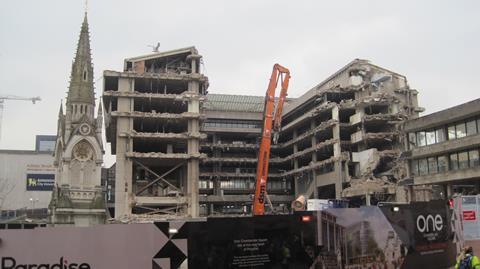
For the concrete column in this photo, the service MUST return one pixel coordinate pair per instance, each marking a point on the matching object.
(123, 167)
(360, 110)
(314, 160)
(216, 168)
(411, 194)
(195, 63)
(336, 132)
(449, 190)
(337, 153)
(182, 176)
(295, 149)
(194, 66)
(314, 141)
(298, 190)
(193, 149)
(192, 187)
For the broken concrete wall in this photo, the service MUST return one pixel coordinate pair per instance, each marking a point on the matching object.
(367, 160)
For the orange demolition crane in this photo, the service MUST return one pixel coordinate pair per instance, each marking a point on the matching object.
(269, 118)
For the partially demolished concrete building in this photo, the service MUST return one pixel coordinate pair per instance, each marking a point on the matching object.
(343, 139)
(182, 151)
(153, 124)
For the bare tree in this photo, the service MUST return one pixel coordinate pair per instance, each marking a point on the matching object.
(5, 189)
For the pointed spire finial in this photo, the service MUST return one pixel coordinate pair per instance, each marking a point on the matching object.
(86, 6)
(81, 88)
(60, 112)
(100, 111)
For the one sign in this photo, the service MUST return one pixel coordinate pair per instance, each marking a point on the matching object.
(40, 182)
(430, 226)
(469, 215)
(426, 230)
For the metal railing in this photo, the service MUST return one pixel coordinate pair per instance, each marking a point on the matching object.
(37, 213)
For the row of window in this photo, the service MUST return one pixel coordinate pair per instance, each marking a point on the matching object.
(232, 124)
(423, 138)
(443, 163)
(81, 109)
(244, 184)
(205, 184)
(46, 145)
(438, 135)
(237, 170)
(463, 129)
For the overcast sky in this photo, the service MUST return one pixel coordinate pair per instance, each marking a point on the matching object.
(434, 43)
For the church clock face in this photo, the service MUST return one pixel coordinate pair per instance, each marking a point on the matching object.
(83, 151)
(84, 129)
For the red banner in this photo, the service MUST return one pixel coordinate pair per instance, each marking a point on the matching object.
(469, 215)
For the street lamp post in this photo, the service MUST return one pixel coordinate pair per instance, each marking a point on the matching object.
(33, 200)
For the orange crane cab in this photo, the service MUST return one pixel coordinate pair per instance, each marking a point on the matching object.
(271, 127)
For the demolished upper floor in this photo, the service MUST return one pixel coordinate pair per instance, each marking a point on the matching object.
(357, 83)
(159, 75)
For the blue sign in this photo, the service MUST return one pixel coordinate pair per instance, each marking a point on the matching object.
(40, 182)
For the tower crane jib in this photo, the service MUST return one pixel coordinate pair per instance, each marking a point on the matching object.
(14, 97)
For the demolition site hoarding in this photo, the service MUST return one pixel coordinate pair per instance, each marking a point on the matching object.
(404, 236)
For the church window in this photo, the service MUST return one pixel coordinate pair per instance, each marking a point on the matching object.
(85, 75)
(83, 151)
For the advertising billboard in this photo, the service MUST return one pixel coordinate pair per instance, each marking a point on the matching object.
(40, 182)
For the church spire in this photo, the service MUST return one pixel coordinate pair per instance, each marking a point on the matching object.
(60, 119)
(60, 123)
(60, 111)
(100, 111)
(81, 78)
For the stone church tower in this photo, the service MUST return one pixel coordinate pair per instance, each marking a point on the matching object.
(78, 197)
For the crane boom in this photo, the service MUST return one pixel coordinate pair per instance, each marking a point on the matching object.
(269, 118)
(14, 97)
